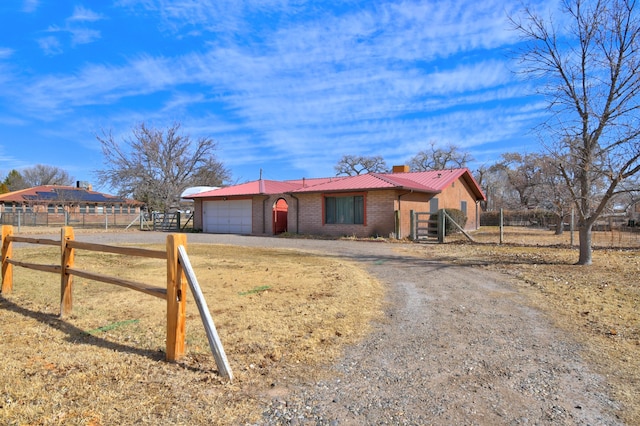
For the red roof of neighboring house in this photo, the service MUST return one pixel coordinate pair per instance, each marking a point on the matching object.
(60, 194)
(430, 182)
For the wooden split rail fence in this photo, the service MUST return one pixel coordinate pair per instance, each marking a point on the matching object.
(179, 272)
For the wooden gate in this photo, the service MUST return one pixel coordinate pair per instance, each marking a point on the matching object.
(433, 225)
(425, 225)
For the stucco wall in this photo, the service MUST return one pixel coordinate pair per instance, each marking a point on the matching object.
(405, 203)
(451, 198)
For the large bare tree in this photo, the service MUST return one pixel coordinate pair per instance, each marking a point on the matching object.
(156, 165)
(440, 158)
(352, 165)
(523, 172)
(589, 63)
(42, 174)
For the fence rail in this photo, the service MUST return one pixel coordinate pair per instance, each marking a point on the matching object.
(178, 267)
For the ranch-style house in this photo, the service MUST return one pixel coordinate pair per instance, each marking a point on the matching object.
(373, 204)
(56, 199)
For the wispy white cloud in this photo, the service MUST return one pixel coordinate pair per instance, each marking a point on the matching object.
(84, 35)
(378, 78)
(82, 14)
(30, 6)
(50, 45)
(75, 27)
(5, 53)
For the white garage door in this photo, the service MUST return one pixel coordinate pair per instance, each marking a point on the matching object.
(227, 217)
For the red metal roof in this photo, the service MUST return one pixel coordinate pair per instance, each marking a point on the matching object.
(256, 187)
(433, 181)
(429, 182)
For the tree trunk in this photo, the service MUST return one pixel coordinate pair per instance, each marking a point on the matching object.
(585, 244)
(560, 226)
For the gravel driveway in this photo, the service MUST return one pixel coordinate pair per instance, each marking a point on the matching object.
(458, 346)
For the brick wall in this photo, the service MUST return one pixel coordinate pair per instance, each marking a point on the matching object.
(380, 216)
(262, 211)
(197, 213)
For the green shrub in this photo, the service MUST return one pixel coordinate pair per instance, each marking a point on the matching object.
(458, 217)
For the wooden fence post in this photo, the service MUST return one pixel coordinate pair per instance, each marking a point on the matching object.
(412, 225)
(501, 226)
(176, 298)
(66, 279)
(7, 252)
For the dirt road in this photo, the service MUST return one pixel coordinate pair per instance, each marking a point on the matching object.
(459, 345)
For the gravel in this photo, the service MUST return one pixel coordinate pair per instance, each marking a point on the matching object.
(458, 345)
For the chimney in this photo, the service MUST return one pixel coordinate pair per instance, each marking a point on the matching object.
(400, 169)
(83, 184)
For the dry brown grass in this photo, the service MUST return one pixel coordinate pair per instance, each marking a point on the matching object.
(599, 304)
(279, 314)
(105, 365)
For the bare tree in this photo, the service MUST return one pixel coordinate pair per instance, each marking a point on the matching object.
(553, 194)
(436, 158)
(155, 166)
(352, 165)
(42, 174)
(523, 173)
(495, 183)
(590, 63)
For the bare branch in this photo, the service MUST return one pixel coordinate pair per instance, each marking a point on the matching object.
(156, 165)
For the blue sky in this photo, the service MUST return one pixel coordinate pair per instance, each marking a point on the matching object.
(287, 86)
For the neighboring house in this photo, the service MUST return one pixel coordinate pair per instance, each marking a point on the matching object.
(364, 205)
(60, 199)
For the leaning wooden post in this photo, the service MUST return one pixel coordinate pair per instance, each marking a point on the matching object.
(7, 252)
(212, 334)
(66, 279)
(176, 298)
